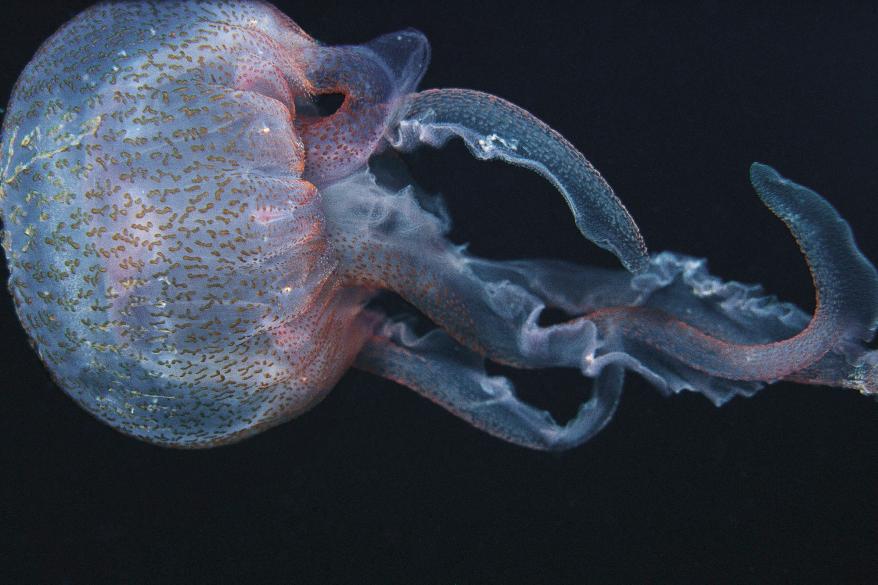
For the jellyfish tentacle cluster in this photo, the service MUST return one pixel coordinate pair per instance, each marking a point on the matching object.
(194, 246)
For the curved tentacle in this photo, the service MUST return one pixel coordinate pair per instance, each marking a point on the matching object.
(454, 377)
(847, 298)
(674, 323)
(493, 128)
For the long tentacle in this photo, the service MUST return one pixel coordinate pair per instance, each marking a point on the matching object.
(847, 299)
(493, 128)
(454, 377)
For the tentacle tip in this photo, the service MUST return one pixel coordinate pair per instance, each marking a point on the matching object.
(762, 174)
(626, 244)
(636, 263)
(630, 250)
(789, 200)
(757, 168)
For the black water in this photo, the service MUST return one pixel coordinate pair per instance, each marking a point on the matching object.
(376, 485)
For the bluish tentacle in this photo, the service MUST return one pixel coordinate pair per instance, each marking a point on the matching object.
(847, 298)
(494, 128)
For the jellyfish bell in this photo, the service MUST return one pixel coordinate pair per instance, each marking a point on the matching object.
(193, 247)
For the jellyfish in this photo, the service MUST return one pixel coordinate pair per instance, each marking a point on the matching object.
(195, 246)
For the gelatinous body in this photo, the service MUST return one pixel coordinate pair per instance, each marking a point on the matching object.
(193, 246)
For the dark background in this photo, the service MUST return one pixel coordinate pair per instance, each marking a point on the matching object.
(376, 485)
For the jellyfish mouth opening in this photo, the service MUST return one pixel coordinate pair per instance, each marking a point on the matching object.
(354, 94)
(318, 106)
